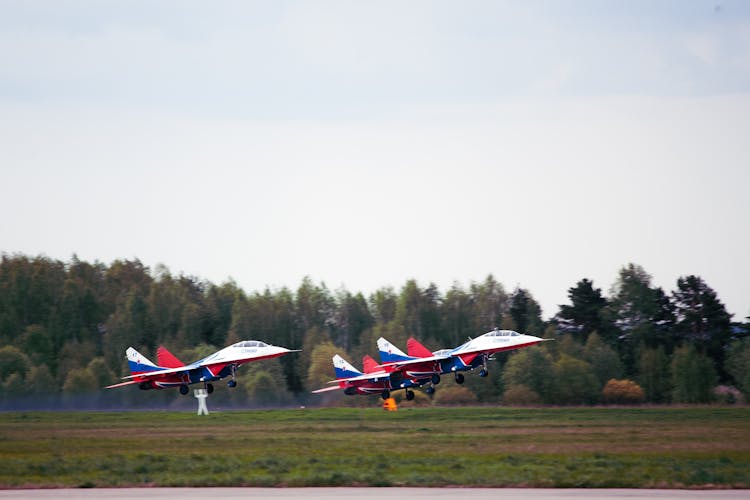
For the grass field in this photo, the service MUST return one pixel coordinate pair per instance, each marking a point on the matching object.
(557, 447)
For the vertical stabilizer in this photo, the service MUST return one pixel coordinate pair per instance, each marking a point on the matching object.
(343, 368)
(166, 359)
(389, 353)
(138, 363)
(414, 348)
(369, 364)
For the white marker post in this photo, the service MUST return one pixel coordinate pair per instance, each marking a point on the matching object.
(201, 395)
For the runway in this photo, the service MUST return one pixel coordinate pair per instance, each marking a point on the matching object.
(370, 493)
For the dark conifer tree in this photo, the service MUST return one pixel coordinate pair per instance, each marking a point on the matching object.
(526, 313)
(584, 314)
(701, 319)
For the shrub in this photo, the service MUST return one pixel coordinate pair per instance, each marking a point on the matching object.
(727, 394)
(520, 395)
(80, 380)
(532, 368)
(455, 395)
(575, 382)
(738, 364)
(12, 360)
(623, 392)
(693, 376)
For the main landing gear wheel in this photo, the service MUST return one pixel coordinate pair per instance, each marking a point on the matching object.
(435, 379)
(209, 388)
(430, 390)
(184, 389)
(409, 395)
(385, 394)
(232, 383)
(459, 378)
(483, 372)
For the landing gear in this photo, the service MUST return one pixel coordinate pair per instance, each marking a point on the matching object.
(459, 378)
(385, 394)
(232, 382)
(184, 389)
(430, 391)
(435, 378)
(484, 371)
(209, 388)
(409, 395)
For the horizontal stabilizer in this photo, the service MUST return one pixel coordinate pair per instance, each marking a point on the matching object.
(121, 384)
(326, 389)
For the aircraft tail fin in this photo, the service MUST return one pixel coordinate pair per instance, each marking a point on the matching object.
(138, 363)
(414, 348)
(369, 364)
(167, 359)
(389, 353)
(343, 368)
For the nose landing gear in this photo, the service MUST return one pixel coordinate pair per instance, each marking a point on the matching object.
(232, 382)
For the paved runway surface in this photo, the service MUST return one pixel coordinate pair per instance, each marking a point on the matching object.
(370, 493)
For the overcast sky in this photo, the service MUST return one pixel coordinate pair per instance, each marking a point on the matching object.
(365, 143)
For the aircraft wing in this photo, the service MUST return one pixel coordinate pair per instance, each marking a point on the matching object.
(157, 373)
(358, 378)
(402, 364)
(209, 362)
(366, 376)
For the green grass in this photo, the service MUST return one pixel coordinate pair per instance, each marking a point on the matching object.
(556, 447)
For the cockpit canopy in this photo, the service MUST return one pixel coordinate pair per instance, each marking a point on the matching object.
(502, 333)
(250, 343)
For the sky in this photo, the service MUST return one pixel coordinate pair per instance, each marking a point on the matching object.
(367, 143)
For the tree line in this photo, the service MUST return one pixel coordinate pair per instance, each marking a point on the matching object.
(64, 327)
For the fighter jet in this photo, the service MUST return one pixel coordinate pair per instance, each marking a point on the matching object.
(473, 354)
(374, 380)
(171, 372)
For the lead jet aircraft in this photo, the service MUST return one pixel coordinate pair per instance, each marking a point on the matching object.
(473, 354)
(171, 372)
(374, 380)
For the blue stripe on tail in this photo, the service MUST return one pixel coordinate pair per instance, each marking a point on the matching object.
(140, 367)
(341, 373)
(386, 357)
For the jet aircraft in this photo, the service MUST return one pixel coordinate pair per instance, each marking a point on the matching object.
(422, 367)
(475, 353)
(171, 372)
(374, 379)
